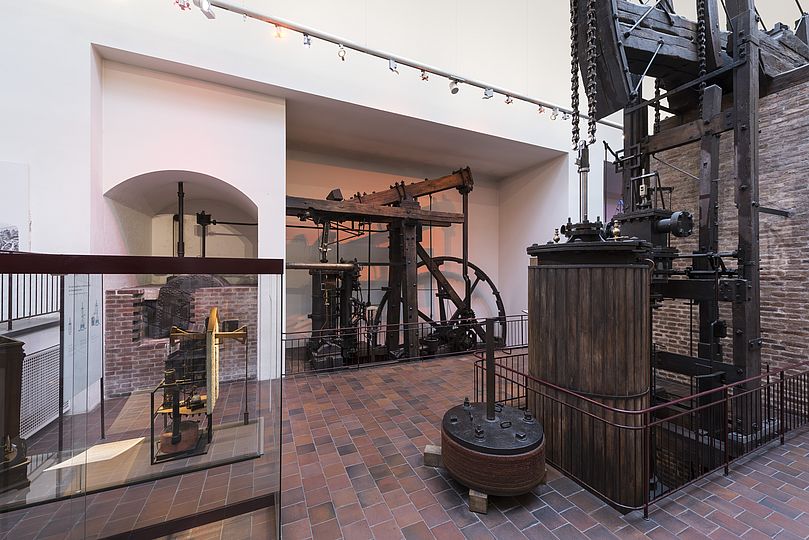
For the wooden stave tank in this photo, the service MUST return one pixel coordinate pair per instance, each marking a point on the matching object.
(569, 319)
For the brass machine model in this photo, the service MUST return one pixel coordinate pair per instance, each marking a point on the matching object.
(193, 363)
(335, 308)
(14, 463)
(712, 81)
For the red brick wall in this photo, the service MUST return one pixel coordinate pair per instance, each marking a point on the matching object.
(133, 363)
(784, 184)
(234, 303)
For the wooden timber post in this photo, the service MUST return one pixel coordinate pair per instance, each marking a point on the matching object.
(709, 345)
(747, 314)
(410, 305)
(395, 256)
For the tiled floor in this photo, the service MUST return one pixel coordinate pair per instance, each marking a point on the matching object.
(121, 510)
(352, 468)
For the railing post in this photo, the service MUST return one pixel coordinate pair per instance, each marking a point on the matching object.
(725, 430)
(647, 443)
(782, 405)
(10, 302)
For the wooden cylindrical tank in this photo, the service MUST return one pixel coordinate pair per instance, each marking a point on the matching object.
(590, 333)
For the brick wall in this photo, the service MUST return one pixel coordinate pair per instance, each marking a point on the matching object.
(133, 363)
(784, 184)
(234, 303)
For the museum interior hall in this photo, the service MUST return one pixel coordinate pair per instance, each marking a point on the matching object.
(404, 270)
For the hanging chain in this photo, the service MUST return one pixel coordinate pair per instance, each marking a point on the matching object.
(590, 76)
(702, 40)
(657, 106)
(574, 70)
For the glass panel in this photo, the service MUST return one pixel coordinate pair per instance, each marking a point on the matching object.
(171, 392)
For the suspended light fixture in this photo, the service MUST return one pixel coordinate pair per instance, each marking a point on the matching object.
(453, 87)
(509, 100)
(184, 5)
(393, 66)
(541, 110)
(205, 7)
(279, 31)
(341, 52)
(555, 113)
(488, 93)
(307, 40)
(424, 76)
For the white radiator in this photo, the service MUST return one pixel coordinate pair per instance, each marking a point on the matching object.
(40, 390)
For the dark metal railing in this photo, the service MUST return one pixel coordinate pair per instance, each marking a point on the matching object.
(25, 296)
(683, 440)
(368, 344)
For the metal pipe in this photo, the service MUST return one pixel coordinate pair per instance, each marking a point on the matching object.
(465, 262)
(490, 416)
(335, 267)
(181, 220)
(346, 44)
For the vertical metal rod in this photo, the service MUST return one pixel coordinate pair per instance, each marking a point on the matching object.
(467, 281)
(204, 236)
(61, 361)
(725, 430)
(101, 390)
(10, 301)
(181, 220)
(490, 369)
(782, 401)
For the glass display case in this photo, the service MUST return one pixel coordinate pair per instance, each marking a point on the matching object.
(139, 394)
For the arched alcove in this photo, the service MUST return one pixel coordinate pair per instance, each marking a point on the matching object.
(145, 207)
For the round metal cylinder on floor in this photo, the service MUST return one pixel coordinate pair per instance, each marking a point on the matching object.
(590, 333)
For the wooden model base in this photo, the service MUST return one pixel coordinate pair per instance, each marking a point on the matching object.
(193, 442)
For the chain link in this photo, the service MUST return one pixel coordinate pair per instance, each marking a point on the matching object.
(590, 76)
(657, 105)
(702, 41)
(574, 70)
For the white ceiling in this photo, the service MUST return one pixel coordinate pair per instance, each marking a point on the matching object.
(351, 132)
(326, 126)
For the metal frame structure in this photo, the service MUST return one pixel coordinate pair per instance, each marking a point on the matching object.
(397, 207)
(713, 82)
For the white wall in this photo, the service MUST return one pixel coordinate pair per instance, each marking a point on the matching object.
(315, 176)
(529, 213)
(154, 121)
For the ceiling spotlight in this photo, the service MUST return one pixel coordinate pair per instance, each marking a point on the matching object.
(307, 40)
(279, 31)
(205, 7)
(488, 93)
(341, 52)
(393, 66)
(566, 116)
(184, 5)
(509, 100)
(453, 87)
(424, 76)
(541, 110)
(555, 113)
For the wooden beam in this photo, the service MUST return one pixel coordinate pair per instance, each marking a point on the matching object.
(348, 210)
(788, 80)
(459, 179)
(677, 136)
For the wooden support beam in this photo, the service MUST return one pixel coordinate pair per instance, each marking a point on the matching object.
(788, 80)
(746, 81)
(690, 132)
(709, 219)
(410, 292)
(395, 276)
(458, 179)
(352, 210)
